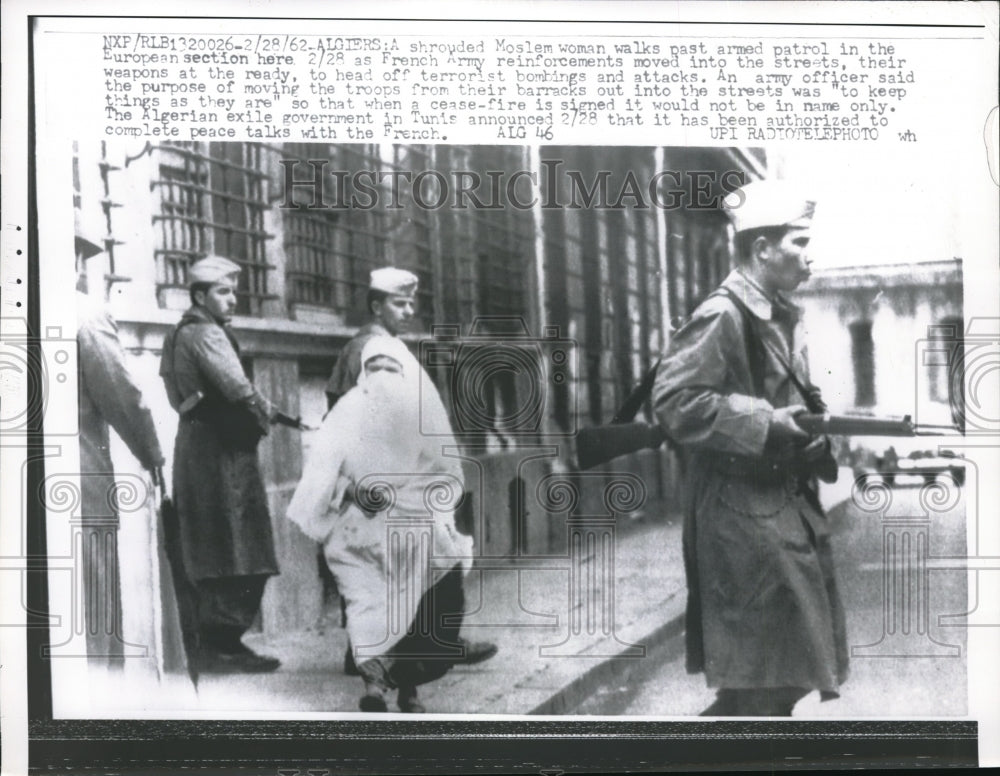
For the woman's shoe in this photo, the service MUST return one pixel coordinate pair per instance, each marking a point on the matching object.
(408, 701)
(373, 699)
(377, 683)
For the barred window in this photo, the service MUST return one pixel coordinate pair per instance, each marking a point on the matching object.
(412, 225)
(212, 199)
(314, 272)
(632, 233)
(503, 241)
(331, 251)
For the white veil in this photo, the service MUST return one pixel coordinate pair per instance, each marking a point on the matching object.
(390, 423)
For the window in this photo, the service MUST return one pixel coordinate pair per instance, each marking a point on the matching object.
(503, 240)
(947, 367)
(485, 251)
(593, 307)
(863, 358)
(212, 199)
(315, 272)
(331, 251)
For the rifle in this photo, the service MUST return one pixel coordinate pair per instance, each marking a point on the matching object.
(869, 425)
(282, 419)
(600, 444)
(287, 420)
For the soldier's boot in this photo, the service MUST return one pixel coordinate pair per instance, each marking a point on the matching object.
(723, 705)
(475, 652)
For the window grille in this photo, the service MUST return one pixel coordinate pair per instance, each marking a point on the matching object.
(331, 251)
(459, 300)
(212, 199)
(314, 272)
(503, 240)
(412, 224)
(559, 278)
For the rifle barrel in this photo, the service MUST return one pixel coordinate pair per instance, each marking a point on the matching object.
(284, 419)
(849, 425)
(930, 429)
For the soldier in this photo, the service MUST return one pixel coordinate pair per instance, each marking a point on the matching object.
(108, 396)
(391, 303)
(225, 526)
(764, 618)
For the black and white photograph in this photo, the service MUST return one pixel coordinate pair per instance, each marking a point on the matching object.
(405, 376)
(574, 393)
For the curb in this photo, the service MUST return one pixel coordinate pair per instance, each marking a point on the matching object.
(567, 699)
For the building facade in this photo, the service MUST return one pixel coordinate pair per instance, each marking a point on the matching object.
(543, 300)
(891, 339)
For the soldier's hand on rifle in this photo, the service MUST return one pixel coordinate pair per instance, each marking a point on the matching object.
(783, 425)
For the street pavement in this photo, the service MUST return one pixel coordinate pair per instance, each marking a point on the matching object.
(572, 644)
(559, 634)
(893, 673)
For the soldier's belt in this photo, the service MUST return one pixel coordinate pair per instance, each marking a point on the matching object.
(759, 469)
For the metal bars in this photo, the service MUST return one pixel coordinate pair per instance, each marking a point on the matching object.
(212, 199)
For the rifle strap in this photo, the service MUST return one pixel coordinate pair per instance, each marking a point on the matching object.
(173, 354)
(756, 346)
(753, 343)
(633, 403)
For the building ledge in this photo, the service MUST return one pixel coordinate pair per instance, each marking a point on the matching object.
(929, 273)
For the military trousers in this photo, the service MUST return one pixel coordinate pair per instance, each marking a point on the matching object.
(227, 607)
(756, 702)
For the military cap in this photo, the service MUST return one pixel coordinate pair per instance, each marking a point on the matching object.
(392, 280)
(769, 203)
(213, 269)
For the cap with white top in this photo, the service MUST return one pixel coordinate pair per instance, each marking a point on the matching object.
(213, 269)
(392, 280)
(769, 203)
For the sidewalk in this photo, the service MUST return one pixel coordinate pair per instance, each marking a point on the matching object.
(560, 635)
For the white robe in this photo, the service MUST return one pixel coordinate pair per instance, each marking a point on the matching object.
(387, 435)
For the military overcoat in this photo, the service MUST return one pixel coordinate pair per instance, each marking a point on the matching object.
(348, 367)
(763, 607)
(108, 397)
(221, 501)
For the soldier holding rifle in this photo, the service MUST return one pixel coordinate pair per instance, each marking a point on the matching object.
(225, 527)
(764, 618)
